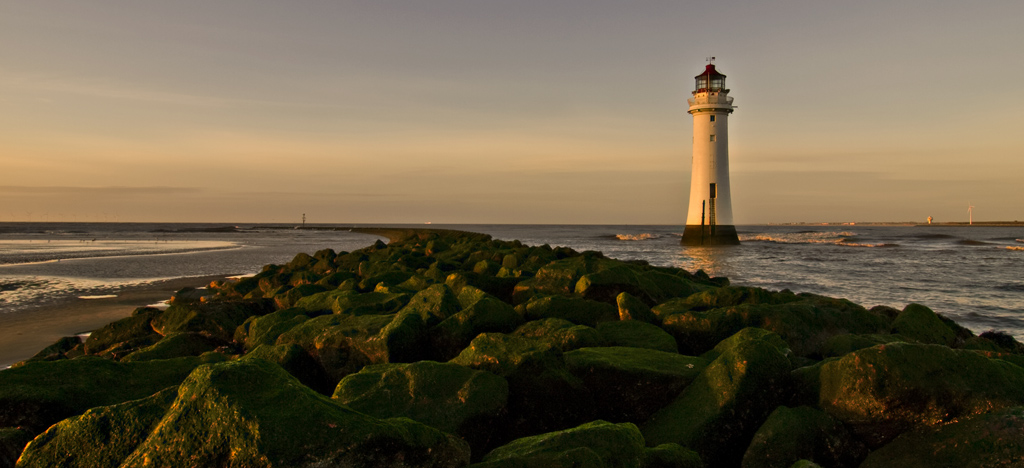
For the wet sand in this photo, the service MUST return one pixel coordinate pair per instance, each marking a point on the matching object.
(26, 332)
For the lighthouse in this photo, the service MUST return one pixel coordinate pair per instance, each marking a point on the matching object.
(709, 218)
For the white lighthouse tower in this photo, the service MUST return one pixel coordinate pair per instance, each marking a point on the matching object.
(709, 218)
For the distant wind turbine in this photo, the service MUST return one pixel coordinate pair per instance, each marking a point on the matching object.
(970, 213)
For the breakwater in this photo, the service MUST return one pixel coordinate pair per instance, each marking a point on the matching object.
(447, 348)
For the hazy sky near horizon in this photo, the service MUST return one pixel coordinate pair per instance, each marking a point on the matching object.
(525, 111)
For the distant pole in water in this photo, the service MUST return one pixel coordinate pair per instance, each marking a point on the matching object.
(970, 214)
(303, 219)
(709, 180)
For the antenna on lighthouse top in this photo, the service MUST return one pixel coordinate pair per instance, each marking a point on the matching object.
(710, 60)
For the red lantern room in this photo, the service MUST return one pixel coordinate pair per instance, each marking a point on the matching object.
(710, 80)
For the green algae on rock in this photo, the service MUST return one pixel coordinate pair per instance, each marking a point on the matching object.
(988, 440)
(802, 433)
(728, 401)
(629, 384)
(101, 437)
(449, 397)
(597, 443)
(251, 413)
(888, 389)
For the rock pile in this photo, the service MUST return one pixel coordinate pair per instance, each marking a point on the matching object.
(451, 349)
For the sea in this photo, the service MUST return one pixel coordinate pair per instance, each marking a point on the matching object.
(972, 274)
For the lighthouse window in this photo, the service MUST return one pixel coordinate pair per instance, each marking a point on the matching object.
(712, 138)
(712, 118)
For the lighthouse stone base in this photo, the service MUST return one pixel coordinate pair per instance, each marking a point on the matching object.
(696, 234)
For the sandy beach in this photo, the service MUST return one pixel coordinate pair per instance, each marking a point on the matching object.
(25, 333)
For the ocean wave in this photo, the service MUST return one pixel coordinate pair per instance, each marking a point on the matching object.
(1014, 247)
(1020, 240)
(972, 242)
(844, 238)
(636, 237)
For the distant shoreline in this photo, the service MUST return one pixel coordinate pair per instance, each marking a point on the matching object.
(907, 223)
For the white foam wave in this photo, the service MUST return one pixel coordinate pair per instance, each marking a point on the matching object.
(104, 296)
(1014, 247)
(843, 238)
(636, 237)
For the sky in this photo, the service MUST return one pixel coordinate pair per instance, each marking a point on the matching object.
(525, 111)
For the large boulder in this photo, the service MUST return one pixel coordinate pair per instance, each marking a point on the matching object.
(988, 440)
(354, 303)
(631, 308)
(293, 359)
(561, 334)
(449, 397)
(805, 324)
(176, 345)
(215, 319)
(595, 444)
(543, 394)
(127, 334)
(728, 401)
(636, 334)
(102, 437)
(341, 344)
(38, 394)
(802, 433)
(629, 384)
(486, 314)
(576, 310)
(920, 324)
(251, 413)
(652, 287)
(888, 389)
(265, 329)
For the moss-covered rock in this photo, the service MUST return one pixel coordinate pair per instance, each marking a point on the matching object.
(38, 394)
(988, 440)
(888, 389)
(671, 456)
(433, 304)
(728, 401)
(805, 324)
(544, 395)
(486, 314)
(561, 334)
(57, 350)
(101, 437)
(595, 444)
(354, 303)
(293, 359)
(251, 413)
(575, 310)
(840, 345)
(629, 384)
(802, 433)
(215, 319)
(176, 345)
(265, 329)
(449, 397)
(631, 308)
(341, 344)
(136, 331)
(636, 334)
(920, 324)
(651, 287)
